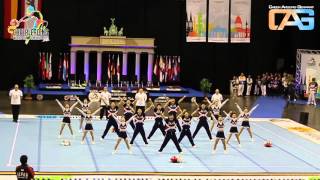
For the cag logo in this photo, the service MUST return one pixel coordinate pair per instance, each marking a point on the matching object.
(304, 22)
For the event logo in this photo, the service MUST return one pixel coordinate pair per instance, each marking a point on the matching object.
(30, 27)
(302, 17)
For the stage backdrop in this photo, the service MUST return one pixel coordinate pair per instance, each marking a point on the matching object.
(197, 20)
(240, 19)
(218, 21)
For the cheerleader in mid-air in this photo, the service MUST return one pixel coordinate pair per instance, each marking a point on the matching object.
(220, 133)
(171, 133)
(173, 108)
(66, 116)
(122, 135)
(112, 112)
(232, 116)
(186, 120)
(87, 115)
(245, 116)
(203, 112)
(128, 110)
(215, 108)
(158, 112)
(84, 107)
(138, 120)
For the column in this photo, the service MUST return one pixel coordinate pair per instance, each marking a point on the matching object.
(125, 63)
(137, 67)
(73, 62)
(86, 65)
(99, 64)
(150, 65)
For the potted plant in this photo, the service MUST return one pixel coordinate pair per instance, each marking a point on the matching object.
(205, 86)
(28, 85)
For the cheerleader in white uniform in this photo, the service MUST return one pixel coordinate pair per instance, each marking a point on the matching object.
(66, 116)
(232, 116)
(88, 120)
(215, 108)
(84, 107)
(122, 135)
(245, 116)
(220, 133)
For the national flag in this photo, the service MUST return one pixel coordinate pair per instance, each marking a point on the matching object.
(60, 67)
(169, 69)
(39, 66)
(64, 68)
(43, 66)
(50, 67)
(109, 67)
(118, 68)
(67, 65)
(161, 69)
(47, 66)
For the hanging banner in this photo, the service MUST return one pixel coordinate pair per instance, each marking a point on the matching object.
(196, 20)
(218, 27)
(240, 21)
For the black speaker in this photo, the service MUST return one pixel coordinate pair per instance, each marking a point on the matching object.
(304, 117)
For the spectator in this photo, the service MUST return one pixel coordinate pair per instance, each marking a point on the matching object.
(24, 171)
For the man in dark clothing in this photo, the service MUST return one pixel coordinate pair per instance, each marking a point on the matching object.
(24, 172)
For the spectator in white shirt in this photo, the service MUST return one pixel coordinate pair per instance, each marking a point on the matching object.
(15, 95)
(141, 100)
(217, 97)
(105, 97)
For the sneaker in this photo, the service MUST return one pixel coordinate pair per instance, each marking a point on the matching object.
(80, 130)
(213, 152)
(101, 139)
(82, 142)
(59, 136)
(114, 152)
(252, 140)
(194, 146)
(93, 142)
(225, 152)
(181, 152)
(239, 145)
(159, 151)
(130, 152)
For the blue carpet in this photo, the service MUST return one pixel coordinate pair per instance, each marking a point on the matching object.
(269, 107)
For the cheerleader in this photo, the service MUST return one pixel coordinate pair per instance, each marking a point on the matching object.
(203, 117)
(171, 133)
(158, 112)
(84, 108)
(173, 108)
(215, 108)
(87, 115)
(186, 120)
(112, 110)
(122, 135)
(66, 116)
(245, 116)
(313, 88)
(128, 110)
(220, 133)
(138, 120)
(232, 116)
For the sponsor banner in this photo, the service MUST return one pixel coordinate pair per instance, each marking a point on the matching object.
(240, 21)
(299, 129)
(196, 19)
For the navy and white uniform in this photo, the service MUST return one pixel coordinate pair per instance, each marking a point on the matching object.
(203, 116)
(215, 111)
(173, 109)
(186, 124)
(170, 134)
(158, 122)
(220, 131)
(111, 122)
(66, 116)
(234, 128)
(128, 113)
(245, 120)
(122, 130)
(139, 129)
(88, 126)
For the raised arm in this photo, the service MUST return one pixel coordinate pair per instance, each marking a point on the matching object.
(96, 111)
(182, 112)
(181, 99)
(90, 103)
(167, 103)
(80, 111)
(239, 108)
(79, 101)
(131, 119)
(194, 112)
(148, 109)
(115, 118)
(214, 118)
(252, 109)
(224, 102)
(193, 100)
(208, 101)
(73, 105)
(59, 103)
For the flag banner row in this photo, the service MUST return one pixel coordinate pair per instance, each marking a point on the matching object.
(222, 23)
(113, 67)
(46, 66)
(166, 69)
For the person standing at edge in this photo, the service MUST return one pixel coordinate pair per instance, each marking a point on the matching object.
(24, 171)
(141, 99)
(105, 97)
(15, 95)
(217, 97)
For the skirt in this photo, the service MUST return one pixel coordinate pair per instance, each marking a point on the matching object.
(220, 135)
(122, 134)
(245, 124)
(233, 130)
(88, 127)
(66, 120)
